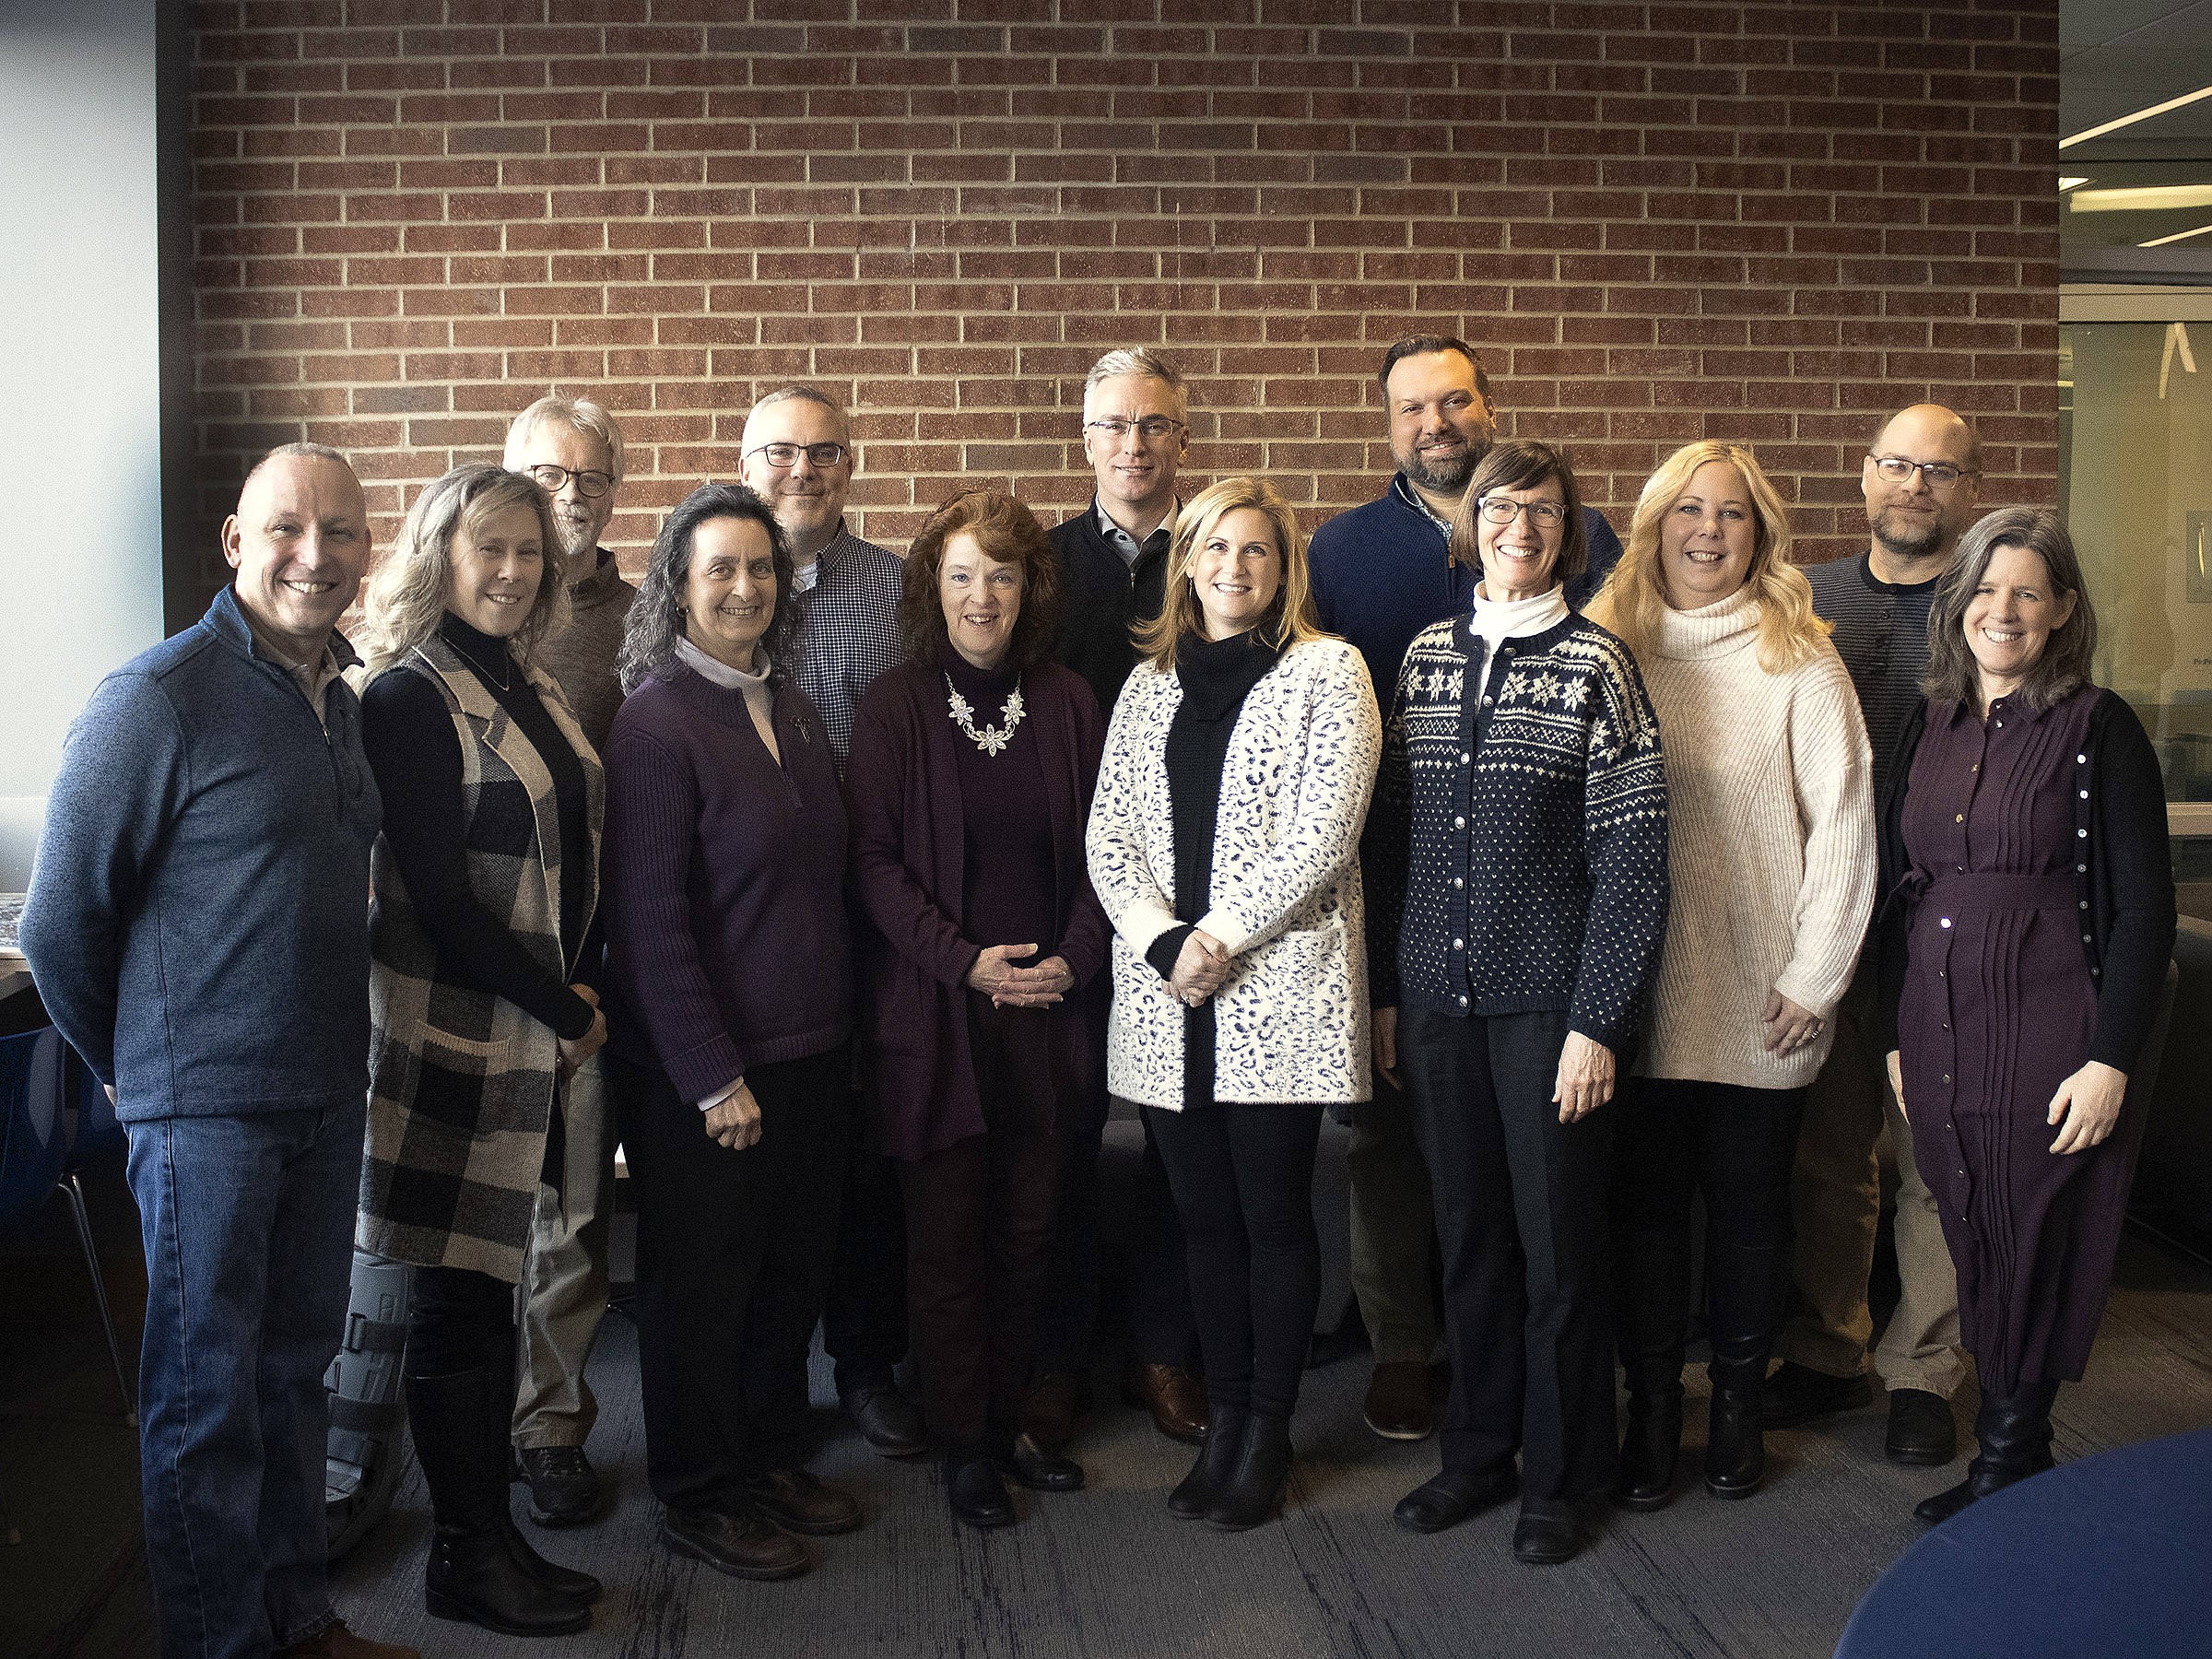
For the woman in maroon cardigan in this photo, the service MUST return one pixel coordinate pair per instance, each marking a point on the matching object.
(971, 779)
(730, 1016)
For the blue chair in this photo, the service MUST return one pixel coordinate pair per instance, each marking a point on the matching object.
(55, 1119)
(95, 1133)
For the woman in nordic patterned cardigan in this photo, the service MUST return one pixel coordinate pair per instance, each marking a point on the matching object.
(484, 882)
(731, 1010)
(1223, 845)
(1518, 848)
(971, 771)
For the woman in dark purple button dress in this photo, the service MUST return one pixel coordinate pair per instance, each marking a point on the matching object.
(2025, 941)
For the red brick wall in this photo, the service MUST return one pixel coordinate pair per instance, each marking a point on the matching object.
(1658, 222)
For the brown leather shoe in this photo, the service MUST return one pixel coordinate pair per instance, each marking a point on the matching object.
(1056, 1402)
(1399, 1406)
(333, 1641)
(1175, 1398)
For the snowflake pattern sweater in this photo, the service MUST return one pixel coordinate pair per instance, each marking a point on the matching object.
(1518, 841)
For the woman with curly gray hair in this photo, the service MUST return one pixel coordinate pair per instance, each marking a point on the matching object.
(731, 1003)
(485, 886)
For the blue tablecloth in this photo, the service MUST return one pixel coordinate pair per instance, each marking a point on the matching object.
(2110, 1555)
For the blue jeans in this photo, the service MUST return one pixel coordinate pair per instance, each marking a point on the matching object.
(248, 1223)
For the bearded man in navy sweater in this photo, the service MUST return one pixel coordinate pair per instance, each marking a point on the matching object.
(198, 929)
(1381, 573)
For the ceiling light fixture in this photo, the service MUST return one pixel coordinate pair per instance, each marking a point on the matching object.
(2113, 126)
(2140, 198)
(2159, 241)
(2067, 184)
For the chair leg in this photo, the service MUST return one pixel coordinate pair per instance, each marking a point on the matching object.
(99, 1295)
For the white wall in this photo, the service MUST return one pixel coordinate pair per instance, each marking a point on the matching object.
(80, 546)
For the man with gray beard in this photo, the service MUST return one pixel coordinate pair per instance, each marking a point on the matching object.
(573, 447)
(1922, 481)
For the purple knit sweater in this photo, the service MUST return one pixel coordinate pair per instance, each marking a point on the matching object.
(722, 885)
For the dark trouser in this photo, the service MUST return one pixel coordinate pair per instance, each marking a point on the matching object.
(733, 1256)
(457, 1320)
(1521, 1216)
(248, 1228)
(979, 1223)
(1738, 1146)
(864, 1317)
(1243, 1180)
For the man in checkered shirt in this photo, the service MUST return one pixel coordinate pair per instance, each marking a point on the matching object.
(797, 457)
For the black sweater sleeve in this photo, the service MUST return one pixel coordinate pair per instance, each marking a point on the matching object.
(416, 755)
(1893, 907)
(2134, 884)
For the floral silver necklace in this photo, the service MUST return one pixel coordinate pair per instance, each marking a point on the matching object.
(990, 739)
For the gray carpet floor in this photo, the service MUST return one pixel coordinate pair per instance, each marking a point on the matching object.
(1107, 1573)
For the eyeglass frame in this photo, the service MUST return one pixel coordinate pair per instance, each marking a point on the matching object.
(579, 474)
(844, 452)
(1925, 470)
(1117, 426)
(1554, 516)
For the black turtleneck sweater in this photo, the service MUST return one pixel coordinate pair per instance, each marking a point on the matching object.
(1216, 677)
(416, 754)
(1006, 886)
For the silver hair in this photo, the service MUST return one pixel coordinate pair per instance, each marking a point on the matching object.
(578, 415)
(1136, 360)
(813, 395)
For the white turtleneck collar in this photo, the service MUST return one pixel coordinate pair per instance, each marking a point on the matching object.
(1716, 630)
(759, 701)
(1496, 621)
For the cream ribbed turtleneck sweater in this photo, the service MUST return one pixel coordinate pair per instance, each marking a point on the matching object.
(1771, 845)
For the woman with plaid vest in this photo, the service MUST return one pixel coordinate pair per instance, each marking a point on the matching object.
(485, 883)
(1518, 850)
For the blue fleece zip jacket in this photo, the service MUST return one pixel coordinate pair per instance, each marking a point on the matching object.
(198, 918)
(1383, 571)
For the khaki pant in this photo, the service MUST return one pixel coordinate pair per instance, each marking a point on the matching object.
(1393, 1228)
(1836, 1197)
(565, 1276)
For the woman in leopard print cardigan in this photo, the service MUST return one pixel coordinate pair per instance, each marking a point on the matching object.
(1223, 844)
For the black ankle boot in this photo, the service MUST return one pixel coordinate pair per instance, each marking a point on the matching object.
(973, 1487)
(1217, 1463)
(499, 1401)
(1735, 1448)
(473, 1573)
(2014, 1431)
(1255, 1486)
(1649, 1449)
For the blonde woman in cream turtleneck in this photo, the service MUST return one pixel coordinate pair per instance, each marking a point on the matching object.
(1771, 856)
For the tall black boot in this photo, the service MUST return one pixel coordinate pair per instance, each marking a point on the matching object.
(580, 1587)
(472, 1574)
(1650, 1447)
(1748, 1290)
(1735, 1448)
(2014, 1430)
(1255, 1486)
(1217, 1463)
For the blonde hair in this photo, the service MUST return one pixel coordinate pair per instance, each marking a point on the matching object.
(584, 415)
(407, 593)
(1634, 597)
(1290, 620)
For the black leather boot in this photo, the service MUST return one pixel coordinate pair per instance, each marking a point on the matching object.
(474, 1574)
(1255, 1486)
(498, 1399)
(1649, 1449)
(974, 1487)
(1217, 1463)
(2014, 1430)
(1736, 1447)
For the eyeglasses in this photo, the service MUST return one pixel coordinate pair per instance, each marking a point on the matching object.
(1500, 510)
(1152, 429)
(1940, 475)
(556, 480)
(787, 454)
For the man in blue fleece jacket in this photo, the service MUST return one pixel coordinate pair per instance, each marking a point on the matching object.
(198, 929)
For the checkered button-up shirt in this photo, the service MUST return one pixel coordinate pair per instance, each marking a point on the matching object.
(848, 632)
